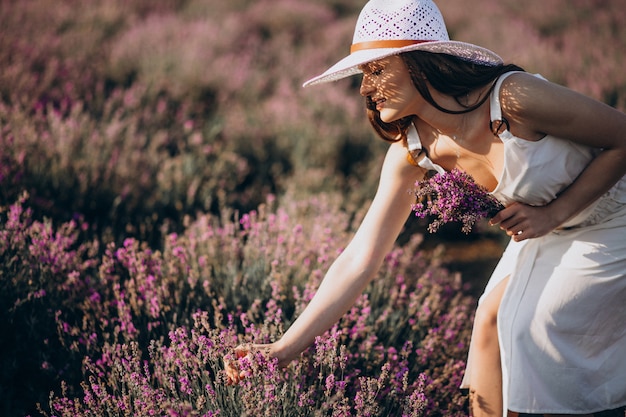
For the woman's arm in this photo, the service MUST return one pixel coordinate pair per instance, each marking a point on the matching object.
(359, 262)
(355, 267)
(542, 107)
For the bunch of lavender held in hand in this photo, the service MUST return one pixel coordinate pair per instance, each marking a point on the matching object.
(454, 197)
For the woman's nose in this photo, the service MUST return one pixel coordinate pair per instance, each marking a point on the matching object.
(366, 87)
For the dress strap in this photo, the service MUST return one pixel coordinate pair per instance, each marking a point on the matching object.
(414, 145)
(495, 109)
(496, 120)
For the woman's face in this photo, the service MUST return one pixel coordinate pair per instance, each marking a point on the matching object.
(388, 85)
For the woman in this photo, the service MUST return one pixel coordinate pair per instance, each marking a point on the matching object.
(554, 158)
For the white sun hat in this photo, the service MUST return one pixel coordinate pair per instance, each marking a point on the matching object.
(391, 27)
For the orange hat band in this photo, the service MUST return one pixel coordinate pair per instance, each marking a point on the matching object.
(390, 43)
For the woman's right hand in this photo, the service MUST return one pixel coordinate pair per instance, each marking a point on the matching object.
(234, 371)
(237, 369)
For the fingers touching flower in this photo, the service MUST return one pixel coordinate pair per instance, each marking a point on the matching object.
(248, 360)
(237, 366)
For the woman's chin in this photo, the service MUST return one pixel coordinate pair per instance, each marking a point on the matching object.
(389, 117)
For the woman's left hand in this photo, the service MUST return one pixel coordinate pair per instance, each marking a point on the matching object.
(522, 221)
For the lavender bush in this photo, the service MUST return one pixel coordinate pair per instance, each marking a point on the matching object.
(152, 328)
(399, 351)
(126, 168)
(113, 112)
(44, 272)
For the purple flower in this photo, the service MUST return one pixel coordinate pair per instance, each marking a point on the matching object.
(453, 197)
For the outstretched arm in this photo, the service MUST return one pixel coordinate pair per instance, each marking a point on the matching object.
(358, 264)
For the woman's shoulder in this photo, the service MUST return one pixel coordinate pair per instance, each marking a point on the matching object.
(517, 87)
(523, 91)
(521, 94)
(538, 107)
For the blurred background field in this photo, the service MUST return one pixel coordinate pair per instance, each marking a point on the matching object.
(133, 124)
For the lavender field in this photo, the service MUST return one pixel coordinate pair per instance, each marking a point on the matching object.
(168, 191)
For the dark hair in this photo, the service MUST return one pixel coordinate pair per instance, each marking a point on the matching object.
(447, 74)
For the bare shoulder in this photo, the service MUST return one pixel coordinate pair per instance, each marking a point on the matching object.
(524, 94)
(521, 92)
(537, 107)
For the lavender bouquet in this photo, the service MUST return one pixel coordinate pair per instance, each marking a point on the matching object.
(453, 197)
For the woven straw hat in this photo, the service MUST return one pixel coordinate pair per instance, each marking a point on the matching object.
(391, 27)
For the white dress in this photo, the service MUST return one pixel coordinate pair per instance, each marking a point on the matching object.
(562, 320)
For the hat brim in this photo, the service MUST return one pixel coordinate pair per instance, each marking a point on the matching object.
(350, 65)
